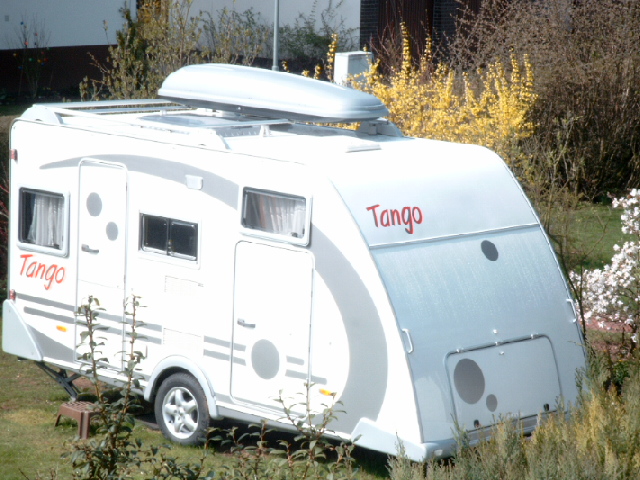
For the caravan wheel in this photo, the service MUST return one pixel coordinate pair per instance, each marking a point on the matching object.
(181, 409)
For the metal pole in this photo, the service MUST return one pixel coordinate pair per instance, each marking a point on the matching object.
(276, 27)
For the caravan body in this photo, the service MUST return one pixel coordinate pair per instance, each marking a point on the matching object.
(408, 279)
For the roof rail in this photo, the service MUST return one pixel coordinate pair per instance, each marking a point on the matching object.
(53, 113)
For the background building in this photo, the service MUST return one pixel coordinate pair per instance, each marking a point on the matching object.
(57, 38)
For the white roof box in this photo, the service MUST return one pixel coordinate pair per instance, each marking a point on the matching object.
(266, 93)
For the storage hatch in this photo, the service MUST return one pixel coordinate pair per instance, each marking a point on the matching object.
(516, 379)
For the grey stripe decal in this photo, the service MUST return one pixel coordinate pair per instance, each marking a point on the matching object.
(47, 303)
(217, 341)
(303, 376)
(318, 380)
(62, 306)
(144, 338)
(238, 347)
(150, 326)
(218, 355)
(109, 317)
(239, 361)
(295, 361)
(52, 316)
(213, 185)
(367, 378)
(294, 374)
(111, 330)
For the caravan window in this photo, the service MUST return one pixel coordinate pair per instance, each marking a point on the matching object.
(42, 218)
(169, 236)
(274, 213)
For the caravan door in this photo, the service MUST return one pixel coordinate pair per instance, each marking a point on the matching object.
(101, 257)
(272, 320)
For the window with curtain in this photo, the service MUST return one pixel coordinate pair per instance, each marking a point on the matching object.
(169, 236)
(274, 213)
(41, 218)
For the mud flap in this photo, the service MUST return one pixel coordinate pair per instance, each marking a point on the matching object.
(16, 337)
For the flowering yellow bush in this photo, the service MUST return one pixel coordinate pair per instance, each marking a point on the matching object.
(490, 107)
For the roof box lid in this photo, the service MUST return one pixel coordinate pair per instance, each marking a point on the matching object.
(266, 93)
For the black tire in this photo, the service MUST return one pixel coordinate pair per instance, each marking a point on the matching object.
(181, 410)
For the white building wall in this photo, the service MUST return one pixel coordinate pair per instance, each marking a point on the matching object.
(349, 10)
(81, 22)
(65, 22)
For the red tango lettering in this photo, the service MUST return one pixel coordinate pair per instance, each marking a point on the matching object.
(408, 216)
(34, 269)
(375, 215)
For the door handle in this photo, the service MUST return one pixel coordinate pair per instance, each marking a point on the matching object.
(88, 249)
(242, 323)
(408, 335)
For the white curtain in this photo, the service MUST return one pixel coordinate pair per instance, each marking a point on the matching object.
(48, 221)
(273, 213)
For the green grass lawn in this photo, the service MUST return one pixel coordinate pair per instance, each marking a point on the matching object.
(596, 231)
(584, 237)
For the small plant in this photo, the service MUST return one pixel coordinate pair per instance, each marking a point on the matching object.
(309, 456)
(111, 455)
(114, 453)
(309, 460)
(400, 467)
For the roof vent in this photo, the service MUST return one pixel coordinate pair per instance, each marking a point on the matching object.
(266, 93)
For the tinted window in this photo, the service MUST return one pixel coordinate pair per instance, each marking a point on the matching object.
(169, 236)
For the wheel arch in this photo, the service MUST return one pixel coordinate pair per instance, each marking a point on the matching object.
(177, 364)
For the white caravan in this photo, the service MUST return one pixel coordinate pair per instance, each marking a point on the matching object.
(409, 279)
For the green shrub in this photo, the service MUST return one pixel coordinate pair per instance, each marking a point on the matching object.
(587, 67)
(305, 43)
(598, 438)
(5, 122)
(235, 37)
(162, 38)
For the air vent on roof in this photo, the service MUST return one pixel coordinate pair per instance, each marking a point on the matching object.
(265, 93)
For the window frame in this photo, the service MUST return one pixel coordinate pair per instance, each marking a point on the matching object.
(167, 252)
(63, 249)
(248, 230)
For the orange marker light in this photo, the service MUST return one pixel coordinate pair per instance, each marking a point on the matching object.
(62, 328)
(328, 393)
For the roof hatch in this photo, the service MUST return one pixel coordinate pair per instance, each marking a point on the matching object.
(266, 93)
